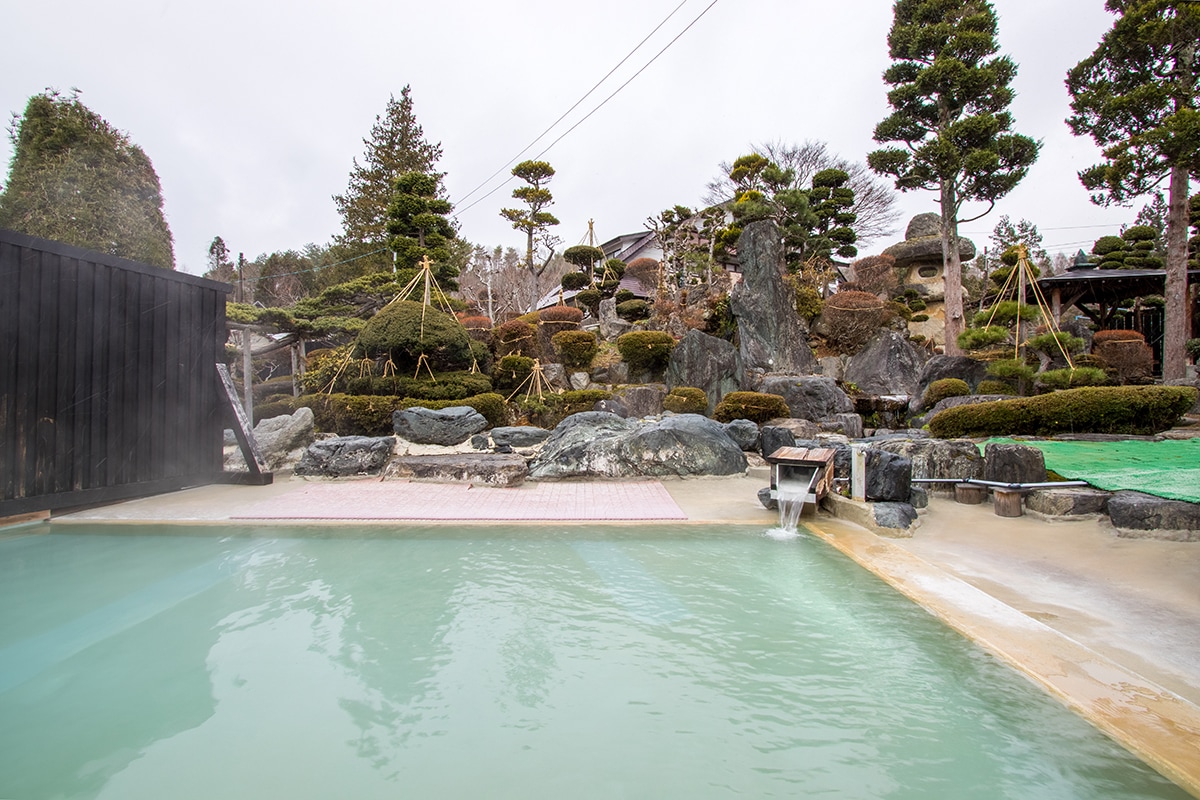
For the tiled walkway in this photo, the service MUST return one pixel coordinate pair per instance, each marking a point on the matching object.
(384, 500)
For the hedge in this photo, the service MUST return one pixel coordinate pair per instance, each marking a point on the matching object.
(1138, 410)
(754, 406)
(575, 349)
(371, 415)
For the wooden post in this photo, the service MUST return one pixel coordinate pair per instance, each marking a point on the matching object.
(858, 473)
(1007, 502)
(258, 474)
(247, 376)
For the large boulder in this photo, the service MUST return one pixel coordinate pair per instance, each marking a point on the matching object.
(1070, 501)
(956, 459)
(889, 476)
(888, 365)
(343, 456)
(771, 336)
(475, 468)
(611, 325)
(519, 436)
(704, 362)
(1142, 516)
(744, 432)
(595, 444)
(1013, 463)
(279, 438)
(642, 401)
(447, 426)
(773, 437)
(809, 397)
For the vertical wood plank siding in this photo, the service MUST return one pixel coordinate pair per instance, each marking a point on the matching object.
(107, 382)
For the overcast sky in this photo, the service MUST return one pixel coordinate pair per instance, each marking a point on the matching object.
(252, 111)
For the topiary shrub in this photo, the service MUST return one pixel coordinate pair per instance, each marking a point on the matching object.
(941, 389)
(589, 299)
(478, 328)
(1129, 410)
(754, 406)
(560, 315)
(443, 386)
(351, 415)
(1006, 314)
(808, 302)
(851, 319)
(633, 310)
(1192, 346)
(1100, 337)
(646, 350)
(686, 400)
(622, 295)
(405, 330)
(516, 337)
(982, 338)
(575, 349)
(1012, 371)
(511, 371)
(575, 280)
(550, 409)
(919, 318)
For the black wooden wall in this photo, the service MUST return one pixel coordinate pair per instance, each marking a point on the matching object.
(108, 386)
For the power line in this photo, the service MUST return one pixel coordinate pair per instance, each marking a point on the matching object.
(577, 103)
(597, 108)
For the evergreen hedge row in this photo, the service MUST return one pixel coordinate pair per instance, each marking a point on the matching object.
(371, 415)
(1137, 410)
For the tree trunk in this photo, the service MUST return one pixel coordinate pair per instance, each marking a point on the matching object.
(1177, 323)
(951, 270)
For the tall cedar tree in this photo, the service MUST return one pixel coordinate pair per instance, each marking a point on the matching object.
(397, 146)
(949, 99)
(416, 220)
(1136, 96)
(76, 179)
(532, 220)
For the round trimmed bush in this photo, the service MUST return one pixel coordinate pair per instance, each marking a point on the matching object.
(633, 310)
(992, 386)
(516, 337)
(686, 400)
(575, 349)
(478, 328)
(946, 387)
(561, 315)
(1100, 337)
(589, 299)
(645, 350)
(808, 303)
(405, 330)
(575, 280)
(754, 406)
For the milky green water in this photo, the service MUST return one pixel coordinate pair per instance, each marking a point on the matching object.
(657, 662)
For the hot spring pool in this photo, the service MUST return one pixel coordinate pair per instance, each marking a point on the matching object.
(572, 662)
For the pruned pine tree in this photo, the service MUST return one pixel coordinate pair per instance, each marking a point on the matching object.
(76, 179)
(533, 220)
(1137, 97)
(950, 97)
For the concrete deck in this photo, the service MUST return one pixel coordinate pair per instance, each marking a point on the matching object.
(1109, 626)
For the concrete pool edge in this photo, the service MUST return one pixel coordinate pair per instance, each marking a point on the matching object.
(1153, 723)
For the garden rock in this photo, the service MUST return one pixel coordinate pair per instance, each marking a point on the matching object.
(894, 515)
(888, 365)
(279, 437)
(800, 428)
(343, 456)
(642, 401)
(1142, 516)
(603, 445)
(1071, 501)
(744, 432)
(889, 476)
(939, 367)
(1013, 463)
(579, 380)
(809, 397)
(612, 406)
(612, 326)
(519, 435)
(475, 468)
(617, 372)
(704, 362)
(447, 426)
(771, 337)
(937, 458)
(773, 437)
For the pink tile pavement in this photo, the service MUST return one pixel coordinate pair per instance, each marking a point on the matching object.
(400, 500)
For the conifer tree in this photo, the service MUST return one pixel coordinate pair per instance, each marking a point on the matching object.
(950, 98)
(1137, 97)
(419, 228)
(397, 145)
(533, 220)
(76, 179)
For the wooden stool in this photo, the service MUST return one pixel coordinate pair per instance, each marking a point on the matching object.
(969, 494)
(1008, 502)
